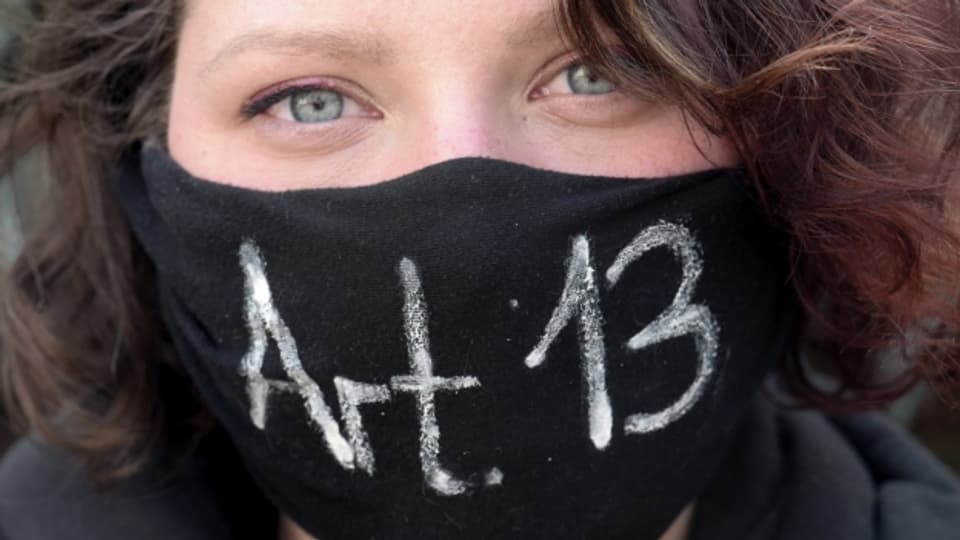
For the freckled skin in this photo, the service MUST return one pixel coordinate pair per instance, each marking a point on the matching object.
(467, 97)
(453, 87)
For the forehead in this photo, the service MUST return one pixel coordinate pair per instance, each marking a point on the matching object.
(374, 29)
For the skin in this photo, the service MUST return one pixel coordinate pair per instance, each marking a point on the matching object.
(421, 82)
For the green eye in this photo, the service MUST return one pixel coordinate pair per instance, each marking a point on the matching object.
(314, 106)
(583, 81)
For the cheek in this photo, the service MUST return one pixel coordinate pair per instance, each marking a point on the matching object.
(665, 144)
(682, 146)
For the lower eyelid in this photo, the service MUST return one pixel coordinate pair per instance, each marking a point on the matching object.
(324, 136)
(602, 110)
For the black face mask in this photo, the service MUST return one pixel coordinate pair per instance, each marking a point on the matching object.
(477, 349)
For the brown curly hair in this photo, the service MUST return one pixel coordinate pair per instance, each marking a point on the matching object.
(846, 113)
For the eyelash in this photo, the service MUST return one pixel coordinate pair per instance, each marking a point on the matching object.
(258, 105)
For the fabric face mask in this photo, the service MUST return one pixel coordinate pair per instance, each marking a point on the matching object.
(477, 349)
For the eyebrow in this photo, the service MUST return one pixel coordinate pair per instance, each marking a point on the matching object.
(334, 44)
(361, 45)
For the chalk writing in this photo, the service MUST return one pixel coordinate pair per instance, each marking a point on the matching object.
(423, 384)
(264, 320)
(680, 319)
(579, 301)
(351, 395)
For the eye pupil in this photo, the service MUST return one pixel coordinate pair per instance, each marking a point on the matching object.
(313, 106)
(583, 80)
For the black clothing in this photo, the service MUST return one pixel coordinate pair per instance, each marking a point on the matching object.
(186, 493)
(475, 338)
(791, 475)
(804, 476)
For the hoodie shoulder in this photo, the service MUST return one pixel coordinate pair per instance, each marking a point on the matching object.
(45, 493)
(915, 495)
(800, 474)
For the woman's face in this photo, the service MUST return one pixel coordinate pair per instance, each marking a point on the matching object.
(313, 93)
(344, 93)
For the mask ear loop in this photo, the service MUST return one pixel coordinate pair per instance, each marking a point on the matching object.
(127, 184)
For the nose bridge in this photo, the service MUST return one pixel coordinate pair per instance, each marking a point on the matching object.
(463, 118)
